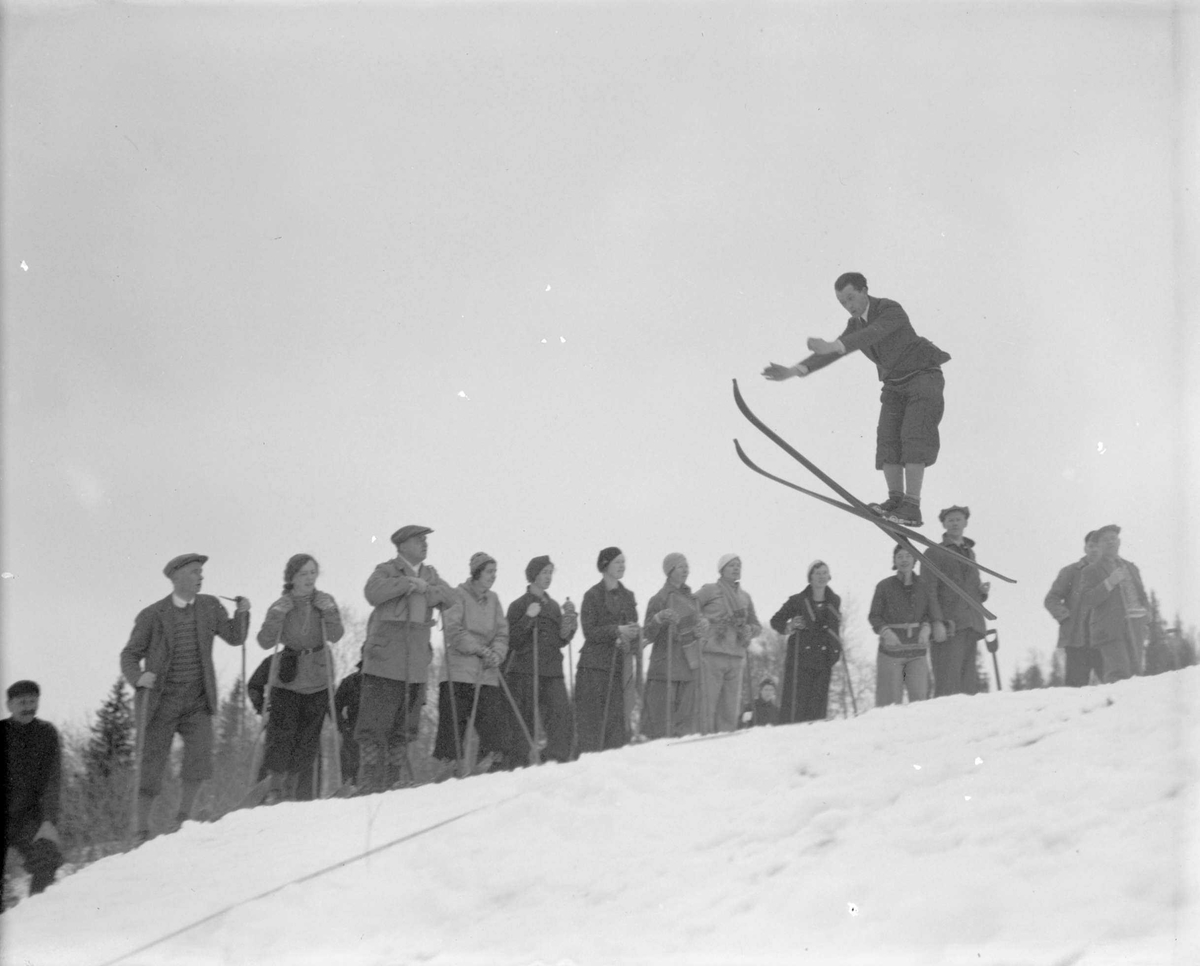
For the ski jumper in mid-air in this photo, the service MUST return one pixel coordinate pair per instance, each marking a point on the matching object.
(910, 369)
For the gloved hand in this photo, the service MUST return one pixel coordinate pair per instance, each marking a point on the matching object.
(888, 638)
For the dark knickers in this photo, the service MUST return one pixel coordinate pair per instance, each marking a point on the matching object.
(909, 414)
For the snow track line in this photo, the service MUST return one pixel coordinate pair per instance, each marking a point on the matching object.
(305, 878)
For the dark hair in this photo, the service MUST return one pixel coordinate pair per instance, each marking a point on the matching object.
(607, 556)
(1092, 537)
(294, 564)
(857, 279)
(19, 688)
(896, 550)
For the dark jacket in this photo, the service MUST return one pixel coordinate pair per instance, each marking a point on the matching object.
(33, 779)
(1065, 603)
(1108, 622)
(948, 558)
(886, 338)
(345, 702)
(897, 603)
(256, 687)
(152, 641)
(550, 641)
(817, 643)
(600, 614)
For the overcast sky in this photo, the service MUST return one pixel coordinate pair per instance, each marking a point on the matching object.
(285, 278)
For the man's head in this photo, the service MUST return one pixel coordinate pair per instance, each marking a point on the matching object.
(954, 519)
(851, 291)
(766, 690)
(1109, 540)
(23, 701)
(186, 573)
(730, 567)
(1091, 546)
(411, 542)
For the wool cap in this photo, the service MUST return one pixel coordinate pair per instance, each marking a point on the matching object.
(479, 561)
(19, 688)
(726, 560)
(964, 510)
(412, 530)
(607, 556)
(293, 567)
(182, 561)
(671, 561)
(813, 566)
(1109, 528)
(535, 567)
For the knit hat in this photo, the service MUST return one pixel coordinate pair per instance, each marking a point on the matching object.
(535, 567)
(964, 510)
(813, 566)
(182, 561)
(607, 556)
(293, 567)
(726, 560)
(478, 562)
(19, 688)
(671, 561)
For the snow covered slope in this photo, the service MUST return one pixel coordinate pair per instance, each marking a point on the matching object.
(1043, 827)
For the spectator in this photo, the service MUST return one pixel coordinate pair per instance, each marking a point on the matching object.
(303, 620)
(811, 620)
(1119, 608)
(766, 711)
(1065, 603)
(168, 660)
(345, 706)
(476, 643)
(732, 625)
(955, 648)
(403, 592)
(674, 626)
(555, 626)
(33, 777)
(903, 612)
(610, 632)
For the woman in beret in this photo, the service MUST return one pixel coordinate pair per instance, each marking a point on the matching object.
(303, 621)
(610, 632)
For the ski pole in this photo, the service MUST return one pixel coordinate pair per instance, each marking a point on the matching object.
(571, 681)
(849, 683)
(139, 703)
(472, 759)
(669, 703)
(612, 677)
(535, 752)
(458, 751)
(336, 771)
(520, 719)
(992, 639)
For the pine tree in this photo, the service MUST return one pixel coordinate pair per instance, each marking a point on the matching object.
(110, 748)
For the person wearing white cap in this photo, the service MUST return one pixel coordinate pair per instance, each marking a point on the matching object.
(732, 625)
(404, 592)
(674, 626)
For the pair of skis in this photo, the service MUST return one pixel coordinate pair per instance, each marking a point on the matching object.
(903, 535)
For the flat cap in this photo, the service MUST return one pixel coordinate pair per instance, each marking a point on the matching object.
(964, 510)
(412, 530)
(1108, 528)
(182, 561)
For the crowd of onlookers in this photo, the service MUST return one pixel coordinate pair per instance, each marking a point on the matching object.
(508, 695)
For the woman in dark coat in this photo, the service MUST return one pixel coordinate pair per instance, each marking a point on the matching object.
(610, 632)
(811, 619)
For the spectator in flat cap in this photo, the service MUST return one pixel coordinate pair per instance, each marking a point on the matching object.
(674, 627)
(1065, 603)
(732, 625)
(298, 624)
(1118, 617)
(476, 644)
(538, 630)
(32, 781)
(404, 592)
(169, 662)
(610, 632)
(955, 639)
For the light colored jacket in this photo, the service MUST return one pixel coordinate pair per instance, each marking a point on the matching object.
(475, 622)
(303, 629)
(731, 618)
(397, 644)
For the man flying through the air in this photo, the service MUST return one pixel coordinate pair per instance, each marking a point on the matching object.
(910, 369)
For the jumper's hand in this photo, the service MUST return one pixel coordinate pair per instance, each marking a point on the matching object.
(777, 373)
(821, 347)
